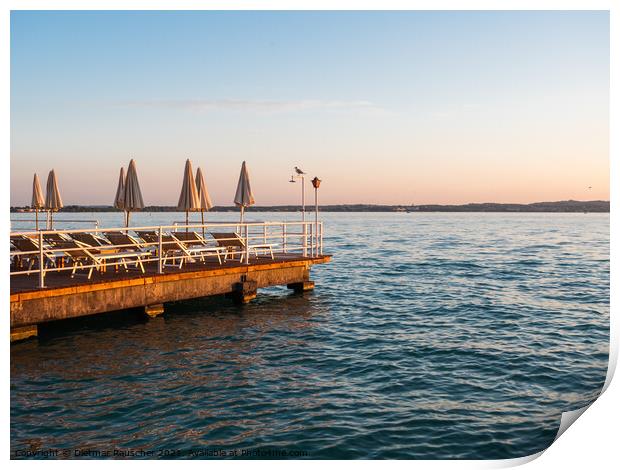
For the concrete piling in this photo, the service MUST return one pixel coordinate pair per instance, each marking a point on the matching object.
(24, 332)
(305, 285)
(301, 287)
(243, 292)
(154, 310)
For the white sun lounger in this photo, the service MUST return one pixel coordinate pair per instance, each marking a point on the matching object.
(233, 243)
(174, 249)
(82, 256)
(196, 246)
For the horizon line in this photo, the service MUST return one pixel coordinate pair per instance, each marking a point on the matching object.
(350, 204)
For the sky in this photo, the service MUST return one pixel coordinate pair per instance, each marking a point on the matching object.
(384, 107)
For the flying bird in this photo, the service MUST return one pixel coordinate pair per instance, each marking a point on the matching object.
(299, 172)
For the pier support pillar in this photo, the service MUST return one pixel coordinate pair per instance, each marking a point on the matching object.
(24, 332)
(301, 287)
(154, 310)
(243, 292)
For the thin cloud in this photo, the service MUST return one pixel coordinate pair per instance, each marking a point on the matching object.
(269, 106)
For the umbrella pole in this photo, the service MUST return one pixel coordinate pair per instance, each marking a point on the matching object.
(51, 219)
(241, 221)
(36, 218)
(128, 213)
(186, 221)
(202, 218)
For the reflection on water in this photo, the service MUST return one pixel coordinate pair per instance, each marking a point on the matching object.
(428, 336)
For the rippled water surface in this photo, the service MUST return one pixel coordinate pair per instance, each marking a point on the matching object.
(428, 336)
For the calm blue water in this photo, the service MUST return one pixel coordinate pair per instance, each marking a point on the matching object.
(428, 336)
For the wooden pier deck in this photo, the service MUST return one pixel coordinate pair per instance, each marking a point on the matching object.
(67, 297)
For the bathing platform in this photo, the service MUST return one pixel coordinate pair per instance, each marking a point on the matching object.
(80, 279)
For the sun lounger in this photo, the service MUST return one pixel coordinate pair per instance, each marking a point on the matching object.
(90, 239)
(171, 250)
(174, 249)
(195, 245)
(233, 244)
(28, 252)
(83, 256)
(124, 241)
(190, 238)
(53, 239)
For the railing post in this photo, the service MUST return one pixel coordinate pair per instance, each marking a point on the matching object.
(305, 239)
(160, 260)
(41, 262)
(265, 233)
(311, 235)
(315, 234)
(316, 238)
(247, 245)
(321, 237)
(284, 237)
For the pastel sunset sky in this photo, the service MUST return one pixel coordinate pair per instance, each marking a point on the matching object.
(385, 107)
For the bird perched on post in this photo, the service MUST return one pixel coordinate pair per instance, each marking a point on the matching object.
(299, 172)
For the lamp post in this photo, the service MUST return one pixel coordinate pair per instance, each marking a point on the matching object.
(316, 182)
(303, 194)
(300, 174)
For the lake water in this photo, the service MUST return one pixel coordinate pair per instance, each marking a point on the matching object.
(428, 336)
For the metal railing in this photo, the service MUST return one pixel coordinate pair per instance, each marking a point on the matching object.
(98, 249)
(43, 221)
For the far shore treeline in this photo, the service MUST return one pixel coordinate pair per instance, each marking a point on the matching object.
(559, 206)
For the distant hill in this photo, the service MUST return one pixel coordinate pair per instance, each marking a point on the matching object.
(558, 206)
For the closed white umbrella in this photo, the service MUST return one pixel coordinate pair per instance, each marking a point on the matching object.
(203, 196)
(188, 200)
(244, 197)
(37, 199)
(119, 199)
(132, 199)
(53, 201)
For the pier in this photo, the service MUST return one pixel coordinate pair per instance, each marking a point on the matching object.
(65, 274)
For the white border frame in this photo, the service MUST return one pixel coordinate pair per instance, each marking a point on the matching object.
(592, 441)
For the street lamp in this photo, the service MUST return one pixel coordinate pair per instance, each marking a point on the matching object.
(301, 175)
(316, 182)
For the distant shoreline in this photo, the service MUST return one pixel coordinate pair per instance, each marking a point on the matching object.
(558, 206)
